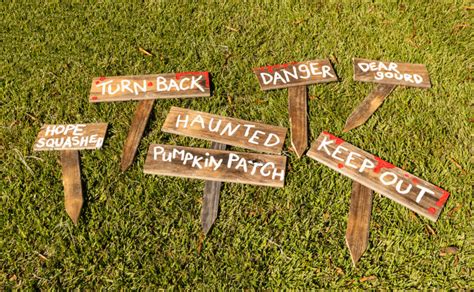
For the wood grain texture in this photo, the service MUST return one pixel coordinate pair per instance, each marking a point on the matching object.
(216, 165)
(295, 74)
(72, 183)
(391, 73)
(210, 199)
(140, 119)
(70, 137)
(358, 223)
(139, 87)
(297, 109)
(250, 135)
(412, 192)
(368, 106)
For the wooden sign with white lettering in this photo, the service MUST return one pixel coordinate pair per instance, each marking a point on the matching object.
(414, 193)
(70, 137)
(406, 74)
(216, 165)
(171, 85)
(230, 131)
(295, 74)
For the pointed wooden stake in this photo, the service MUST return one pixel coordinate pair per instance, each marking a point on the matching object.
(140, 119)
(72, 183)
(357, 234)
(368, 106)
(297, 108)
(210, 200)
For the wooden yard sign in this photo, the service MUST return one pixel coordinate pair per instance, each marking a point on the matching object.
(216, 165)
(295, 77)
(388, 75)
(147, 88)
(373, 173)
(69, 139)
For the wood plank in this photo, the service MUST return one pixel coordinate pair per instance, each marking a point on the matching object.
(70, 137)
(230, 131)
(297, 109)
(295, 74)
(358, 223)
(216, 165)
(368, 106)
(140, 119)
(404, 188)
(140, 87)
(210, 199)
(71, 170)
(406, 74)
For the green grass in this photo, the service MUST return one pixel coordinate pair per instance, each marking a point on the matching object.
(141, 231)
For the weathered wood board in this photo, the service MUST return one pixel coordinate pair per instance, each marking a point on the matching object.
(358, 223)
(407, 74)
(230, 131)
(139, 121)
(216, 165)
(368, 106)
(295, 74)
(72, 183)
(139, 87)
(414, 193)
(70, 137)
(210, 198)
(297, 111)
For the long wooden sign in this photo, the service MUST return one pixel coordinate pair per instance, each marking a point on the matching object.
(70, 137)
(171, 85)
(414, 193)
(216, 165)
(230, 131)
(407, 74)
(295, 74)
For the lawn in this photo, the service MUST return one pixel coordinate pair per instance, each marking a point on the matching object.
(142, 231)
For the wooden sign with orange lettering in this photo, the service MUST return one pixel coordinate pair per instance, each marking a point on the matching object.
(171, 85)
(371, 171)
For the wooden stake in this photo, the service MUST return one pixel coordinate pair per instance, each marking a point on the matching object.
(357, 234)
(210, 200)
(72, 183)
(368, 106)
(140, 119)
(297, 108)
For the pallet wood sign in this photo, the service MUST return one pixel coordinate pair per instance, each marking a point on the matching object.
(295, 76)
(388, 75)
(171, 85)
(221, 131)
(69, 139)
(405, 74)
(147, 88)
(216, 165)
(251, 135)
(371, 171)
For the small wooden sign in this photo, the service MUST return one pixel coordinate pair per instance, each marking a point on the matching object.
(371, 171)
(295, 74)
(230, 131)
(406, 74)
(216, 165)
(171, 85)
(70, 137)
